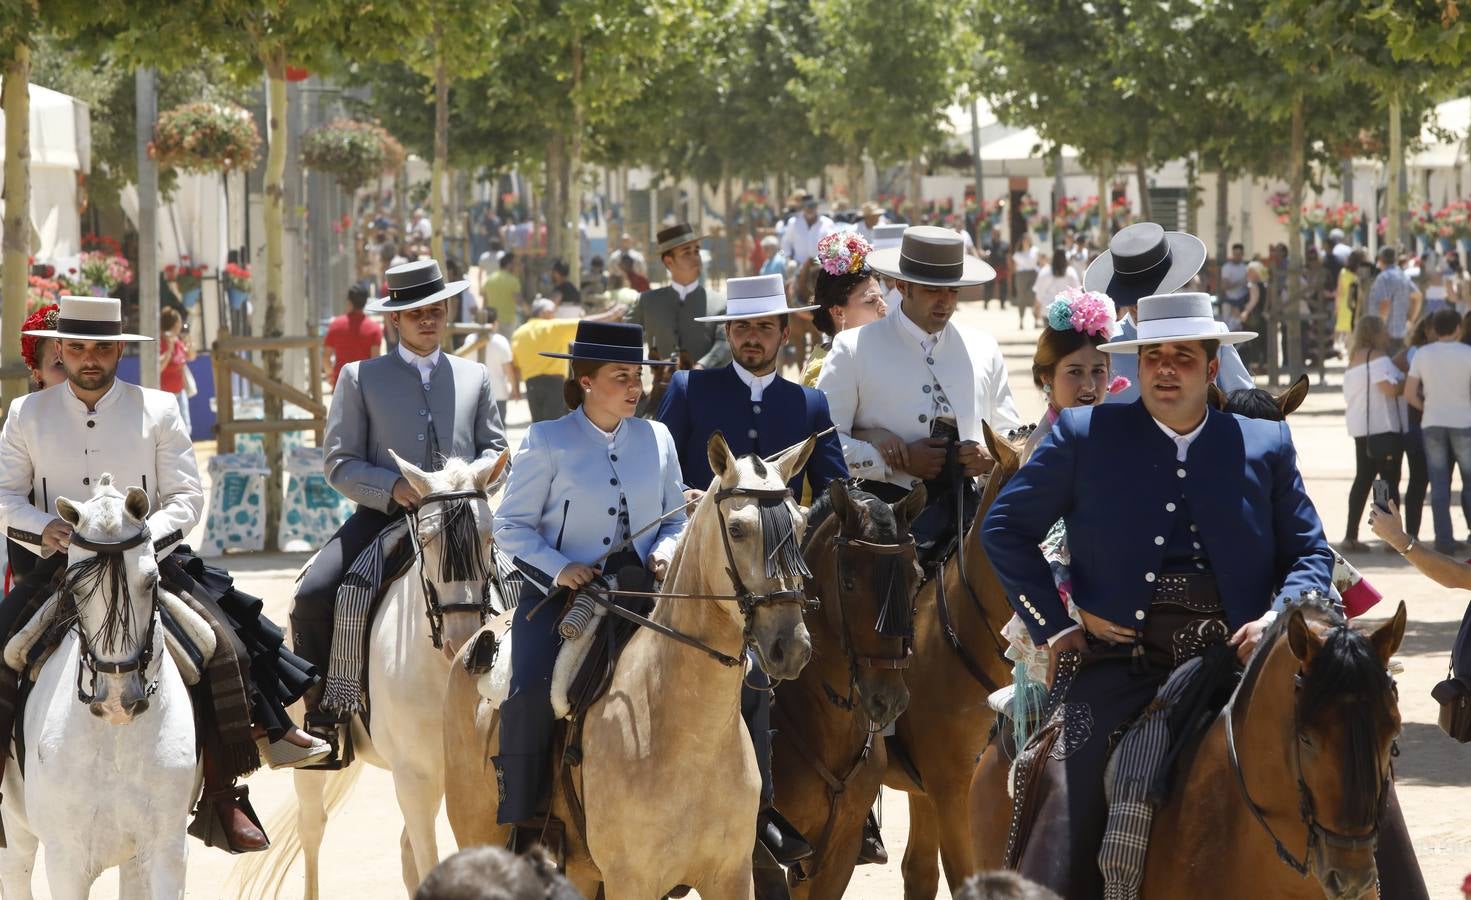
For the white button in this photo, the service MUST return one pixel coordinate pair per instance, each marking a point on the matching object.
(1139, 614)
(1159, 541)
(1022, 597)
(751, 434)
(1193, 528)
(1180, 473)
(1200, 566)
(1169, 507)
(1149, 576)
(1041, 621)
(1197, 545)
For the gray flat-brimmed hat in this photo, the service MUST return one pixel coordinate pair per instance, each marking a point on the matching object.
(1171, 318)
(754, 297)
(89, 319)
(676, 235)
(886, 236)
(412, 285)
(932, 256)
(1142, 260)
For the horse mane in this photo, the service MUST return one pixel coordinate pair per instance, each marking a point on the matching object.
(883, 527)
(1254, 403)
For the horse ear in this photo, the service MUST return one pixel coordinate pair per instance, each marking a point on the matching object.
(417, 478)
(136, 503)
(1301, 639)
(718, 452)
(1001, 451)
(1387, 637)
(68, 511)
(909, 508)
(850, 515)
(488, 471)
(1215, 397)
(792, 461)
(1289, 400)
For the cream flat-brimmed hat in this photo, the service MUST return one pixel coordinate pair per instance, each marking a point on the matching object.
(1172, 318)
(886, 236)
(932, 256)
(89, 319)
(754, 297)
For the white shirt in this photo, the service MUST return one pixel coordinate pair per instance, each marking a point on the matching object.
(926, 340)
(497, 357)
(757, 383)
(799, 241)
(425, 364)
(684, 290)
(1369, 410)
(1048, 285)
(1444, 370)
(1023, 260)
(862, 228)
(1182, 441)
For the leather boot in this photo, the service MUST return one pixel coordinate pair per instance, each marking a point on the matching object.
(224, 817)
(871, 851)
(782, 838)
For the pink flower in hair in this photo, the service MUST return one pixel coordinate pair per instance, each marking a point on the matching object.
(1086, 311)
(841, 253)
(1119, 384)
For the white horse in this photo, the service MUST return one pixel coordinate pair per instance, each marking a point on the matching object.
(407, 676)
(96, 794)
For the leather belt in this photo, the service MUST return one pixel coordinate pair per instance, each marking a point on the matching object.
(1195, 592)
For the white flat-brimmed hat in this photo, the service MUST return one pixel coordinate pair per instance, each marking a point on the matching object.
(1171, 318)
(932, 256)
(89, 319)
(755, 297)
(412, 285)
(886, 236)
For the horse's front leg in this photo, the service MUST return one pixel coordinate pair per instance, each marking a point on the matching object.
(921, 866)
(166, 867)
(419, 791)
(17, 861)
(311, 823)
(68, 873)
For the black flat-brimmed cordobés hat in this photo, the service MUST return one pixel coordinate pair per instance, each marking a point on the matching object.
(610, 342)
(1142, 260)
(932, 256)
(412, 285)
(676, 236)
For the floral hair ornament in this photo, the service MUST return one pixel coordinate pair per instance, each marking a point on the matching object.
(1090, 312)
(1119, 384)
(843, 253)
(43, 319)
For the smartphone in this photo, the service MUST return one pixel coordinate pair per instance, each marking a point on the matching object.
(1381, 494)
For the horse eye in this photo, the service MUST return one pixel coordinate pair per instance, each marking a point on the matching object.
(1306, 741)
(737, 532)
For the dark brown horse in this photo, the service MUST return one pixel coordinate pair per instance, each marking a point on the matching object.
(828, 759)
(958, 662)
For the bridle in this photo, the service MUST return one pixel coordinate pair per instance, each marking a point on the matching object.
(1318, 834)
(749, 601)
(904, 549)
(110, 555)
(472, 565)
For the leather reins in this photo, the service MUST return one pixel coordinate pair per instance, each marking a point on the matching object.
(433, 609)
(143, 654)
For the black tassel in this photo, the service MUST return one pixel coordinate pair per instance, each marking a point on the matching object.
(783, 556)
(896, 610)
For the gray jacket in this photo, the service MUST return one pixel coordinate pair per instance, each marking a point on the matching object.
(381, 404)
(670, 325)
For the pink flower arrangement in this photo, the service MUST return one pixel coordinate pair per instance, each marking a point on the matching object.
(1119, 384)
(1087, 311)
(843, 253)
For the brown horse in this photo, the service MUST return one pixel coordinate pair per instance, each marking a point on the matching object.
(827, 758)
(1292, 776)
(958, 662)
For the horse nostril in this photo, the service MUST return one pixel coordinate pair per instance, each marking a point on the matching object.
(778, 651)
(95, 709)
(139, 708)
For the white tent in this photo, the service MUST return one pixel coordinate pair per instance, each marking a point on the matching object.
(61, 148)
(1454, 117)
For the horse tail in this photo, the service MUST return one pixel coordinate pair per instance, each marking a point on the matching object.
(258, 876)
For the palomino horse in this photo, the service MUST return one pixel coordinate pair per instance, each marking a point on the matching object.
(827, 758)
(958, 662)
(667, 737)
(96, 793)
(1291, 777)
(411, 640)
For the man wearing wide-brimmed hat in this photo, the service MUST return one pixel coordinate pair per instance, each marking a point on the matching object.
(911, 390)
(1189, 528)
(1141, 260)
(871, 217)
(416, 401)
(670, 315)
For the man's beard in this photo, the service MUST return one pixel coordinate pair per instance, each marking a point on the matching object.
(92, 381)
(762, 364)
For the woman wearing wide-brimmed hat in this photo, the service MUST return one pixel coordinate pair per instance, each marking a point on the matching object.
(576, 485)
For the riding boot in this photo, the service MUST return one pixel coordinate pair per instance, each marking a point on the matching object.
(224, 817)
(1400, 877)
(871, 851)
(779, 836)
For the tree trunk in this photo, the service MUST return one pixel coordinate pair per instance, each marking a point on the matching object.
(1223, 215)
(17, 101)
(572, 251)
(1392, 232)
(1146, 209)
(437, 210)
(916, 188)
(275, 190)
(145, 86)
(855, 179)
(1105, 221)
(556, 211)
(1294, 242)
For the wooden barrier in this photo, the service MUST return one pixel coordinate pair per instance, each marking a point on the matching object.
(227, 363)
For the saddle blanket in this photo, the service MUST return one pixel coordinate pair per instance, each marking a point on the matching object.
(495, 685)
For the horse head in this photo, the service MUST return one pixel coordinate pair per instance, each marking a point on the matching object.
(1008, 459)
(112, 581)
(1258, 403)
(862, 557)
(760, 526)
(452, 535)
(1336, 717)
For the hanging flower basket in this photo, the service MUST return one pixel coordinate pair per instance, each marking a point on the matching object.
(205, 137)
(354, 153)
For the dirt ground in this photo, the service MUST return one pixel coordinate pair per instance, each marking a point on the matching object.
(361, 852)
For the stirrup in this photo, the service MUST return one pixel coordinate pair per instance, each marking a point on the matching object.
(336, 730)
(548, 833)
(207, 827)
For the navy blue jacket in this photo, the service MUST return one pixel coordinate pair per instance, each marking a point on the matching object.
(1111, 474)
(702, 401)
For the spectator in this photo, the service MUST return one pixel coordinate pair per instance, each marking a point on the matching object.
(174, 357)
(1389, 298)
(620, 294)
(1233, 285)
(637, 280)
(1372, 386)
(1002, 885)
(504, 385)
(1419, 483)
(799, 241)
(544, 376)
(495, 873)
(1024, 279)
(501, 292)
(776, 262)
(1442, 370)
(352, 336)
(595, 281)
(1346, 297)
(1053, 280)
(421, 230)
(998, 255)
(626, 251)
(1079, 255)
(465, 307)
(566, 295)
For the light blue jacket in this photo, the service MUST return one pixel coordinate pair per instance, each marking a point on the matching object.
(567, 480)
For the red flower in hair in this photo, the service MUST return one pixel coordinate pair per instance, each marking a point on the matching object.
(42, 319)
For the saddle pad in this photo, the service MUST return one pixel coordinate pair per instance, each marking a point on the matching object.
(569, 662)
(18, 649)
(495, 685)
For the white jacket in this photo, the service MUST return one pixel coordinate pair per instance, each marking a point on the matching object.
(877, 376)
(52, 447)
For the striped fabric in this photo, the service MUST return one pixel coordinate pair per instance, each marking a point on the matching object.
(1132, 769)
(361, 587)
